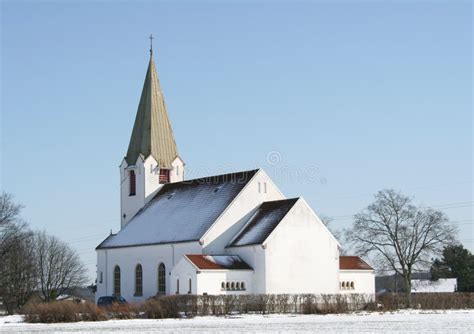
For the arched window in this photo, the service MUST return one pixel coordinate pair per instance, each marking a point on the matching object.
(232, 286)
(242, 285)
(162, 279)
(227, 286)
(138, 280)
(343, 285)
(190, 286)
(237, 286)
(222, 285)
(352, 285)
(347, 285)
(177, 286)
(117, 281)
(133, 183)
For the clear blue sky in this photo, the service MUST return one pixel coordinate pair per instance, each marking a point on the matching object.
(354, 96)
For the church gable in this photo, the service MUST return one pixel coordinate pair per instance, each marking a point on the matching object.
(181, 211)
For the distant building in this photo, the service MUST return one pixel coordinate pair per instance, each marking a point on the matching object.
(225, 234)
(439, 285)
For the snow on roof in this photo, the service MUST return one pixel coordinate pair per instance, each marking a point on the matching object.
(266, 218)
(353, 263)
(218, 262)
(181, 211)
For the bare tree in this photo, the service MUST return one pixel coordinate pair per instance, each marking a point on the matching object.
(11, 224)
(327, 221)
(17, 269)
(19, 280)
(59, 267)
(402, 236)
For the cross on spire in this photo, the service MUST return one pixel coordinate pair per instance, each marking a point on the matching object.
(151, 44)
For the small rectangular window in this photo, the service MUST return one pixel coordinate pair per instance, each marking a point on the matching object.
(101, 276)
(177, 170)
(164, 176)
(265, 187)
(259, 187)
(133, 183)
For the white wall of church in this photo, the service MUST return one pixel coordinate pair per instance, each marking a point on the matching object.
(363, 281)
(149, 257)
(260, 189)
(301, 255)
(177, 172)
(254, 256)
(129, 205)
(183, 272)
(209, 281)
(147, 175)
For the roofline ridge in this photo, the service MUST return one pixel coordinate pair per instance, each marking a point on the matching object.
(215, 176)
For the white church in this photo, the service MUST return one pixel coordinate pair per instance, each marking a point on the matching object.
(224, 234)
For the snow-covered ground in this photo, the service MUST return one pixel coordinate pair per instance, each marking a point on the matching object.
(400, 322)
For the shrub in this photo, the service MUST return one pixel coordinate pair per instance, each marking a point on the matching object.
(63, 311)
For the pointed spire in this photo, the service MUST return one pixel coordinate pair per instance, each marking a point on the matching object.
(152, 133)
(151, 45)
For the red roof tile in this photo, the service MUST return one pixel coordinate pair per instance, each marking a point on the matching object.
(210, 262)
(353, 263)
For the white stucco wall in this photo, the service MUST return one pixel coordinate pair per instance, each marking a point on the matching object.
(234, 217)
(208, 281)
(147, 173)
(301, 255)
(254, 256)
(149, 257)
(364, 281)
(177, 171)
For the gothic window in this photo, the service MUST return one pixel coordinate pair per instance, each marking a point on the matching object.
(133, 183)
(138, 280)
(242, 285)
(352, 285)
(227, 286)
(223, 286)
(161, 278)
(117, 281)
(164, 175)
(232, 286)
(237, 286)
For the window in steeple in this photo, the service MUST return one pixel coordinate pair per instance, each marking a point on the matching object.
(133, 183)
(164, 176)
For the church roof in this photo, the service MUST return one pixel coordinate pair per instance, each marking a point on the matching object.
(353, 263)
(152, 133)
(218, 262)
(262, 223)
(181, 211)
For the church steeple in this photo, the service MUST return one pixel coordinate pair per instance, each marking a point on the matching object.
(152, 156)
(152, 133)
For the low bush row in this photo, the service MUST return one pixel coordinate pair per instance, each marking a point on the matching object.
(428, 301)
(190, 305)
